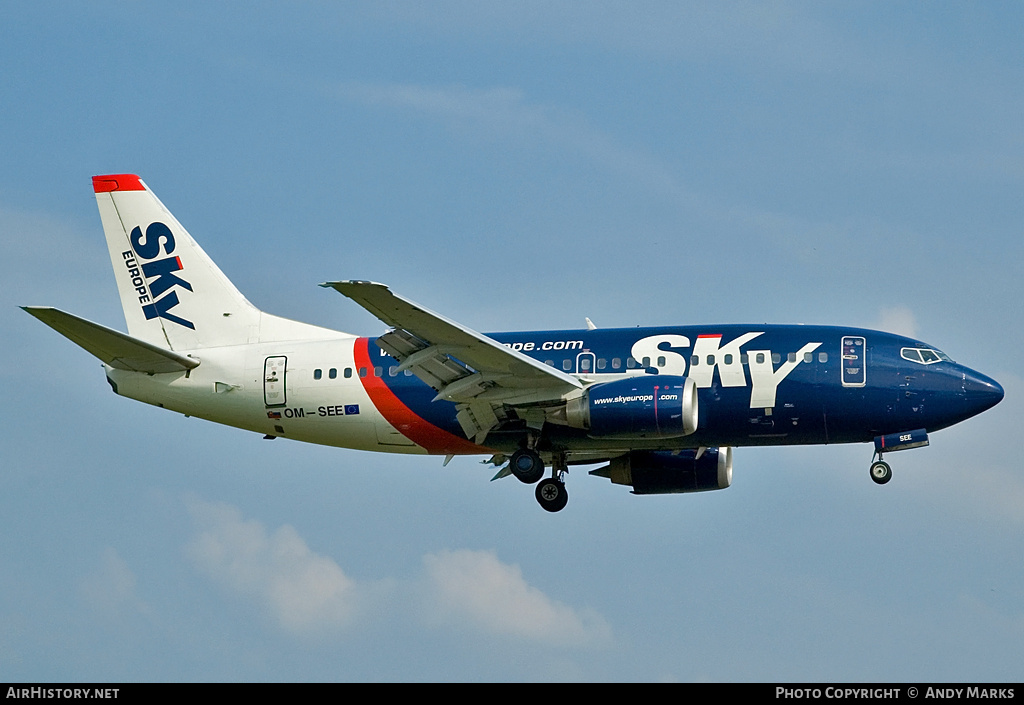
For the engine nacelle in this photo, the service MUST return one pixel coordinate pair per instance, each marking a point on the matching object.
(645, 406)
(668, 472)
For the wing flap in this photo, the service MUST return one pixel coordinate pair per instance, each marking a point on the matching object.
(113, 347)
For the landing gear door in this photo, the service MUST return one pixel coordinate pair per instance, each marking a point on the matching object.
(274, 370)
(854, 359)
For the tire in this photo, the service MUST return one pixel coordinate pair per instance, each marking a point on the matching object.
(881, 472)
(552, 495)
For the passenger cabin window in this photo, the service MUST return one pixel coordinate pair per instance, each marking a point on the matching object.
(317, 374)
(601, 363)
(727, 359)
(661, 361)
(567, 365)
(362, 371)
(808, 357)
(630, 362)
(348, 372)
(616, 363)
(333, 373)
(822, 357)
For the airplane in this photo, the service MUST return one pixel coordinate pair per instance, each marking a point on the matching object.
(660, 409)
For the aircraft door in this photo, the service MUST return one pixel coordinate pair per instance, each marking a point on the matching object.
(853, 361)
(274, 371)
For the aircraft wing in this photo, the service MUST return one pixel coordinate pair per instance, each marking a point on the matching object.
(111, 346)
(478, 373)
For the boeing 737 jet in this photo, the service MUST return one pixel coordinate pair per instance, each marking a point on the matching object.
(659, 409)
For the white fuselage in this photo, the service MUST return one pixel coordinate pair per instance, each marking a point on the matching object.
(229, 387)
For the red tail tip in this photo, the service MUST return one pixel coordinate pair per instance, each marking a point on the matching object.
(117, 182)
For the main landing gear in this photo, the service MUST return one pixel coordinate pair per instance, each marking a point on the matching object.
(527, 465)
(880, 470)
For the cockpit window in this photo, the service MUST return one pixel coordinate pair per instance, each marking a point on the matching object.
(924, 356)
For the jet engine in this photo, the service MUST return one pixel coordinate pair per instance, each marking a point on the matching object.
(646, 406)
(671, 472)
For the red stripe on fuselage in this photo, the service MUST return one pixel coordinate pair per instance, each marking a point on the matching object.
(409, 424)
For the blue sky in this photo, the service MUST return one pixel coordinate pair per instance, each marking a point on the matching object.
(514, 166)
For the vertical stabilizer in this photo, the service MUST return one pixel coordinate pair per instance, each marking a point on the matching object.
(172, 293)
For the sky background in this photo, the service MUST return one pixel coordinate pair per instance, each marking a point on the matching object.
(514, 166)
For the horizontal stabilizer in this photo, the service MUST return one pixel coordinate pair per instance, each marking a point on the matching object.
(112, 347)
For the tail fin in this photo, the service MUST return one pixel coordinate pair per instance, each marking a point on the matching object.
(172, 293)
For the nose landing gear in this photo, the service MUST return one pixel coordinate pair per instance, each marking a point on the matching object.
(890, 443)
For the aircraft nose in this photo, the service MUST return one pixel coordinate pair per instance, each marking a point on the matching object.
(981, 392)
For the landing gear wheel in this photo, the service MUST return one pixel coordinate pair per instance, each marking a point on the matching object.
(881, 472)
(527, 466)
(552, 495)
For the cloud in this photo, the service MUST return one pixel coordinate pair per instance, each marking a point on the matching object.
(110, 587)
(504, 107)
(301, 591)
(475, 588)
(308, 594)
(503, 113)
(777, 36)
(36, 245)
(899, 320)
(978, 473)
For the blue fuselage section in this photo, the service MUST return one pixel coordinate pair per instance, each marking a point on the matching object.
(757, 385)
